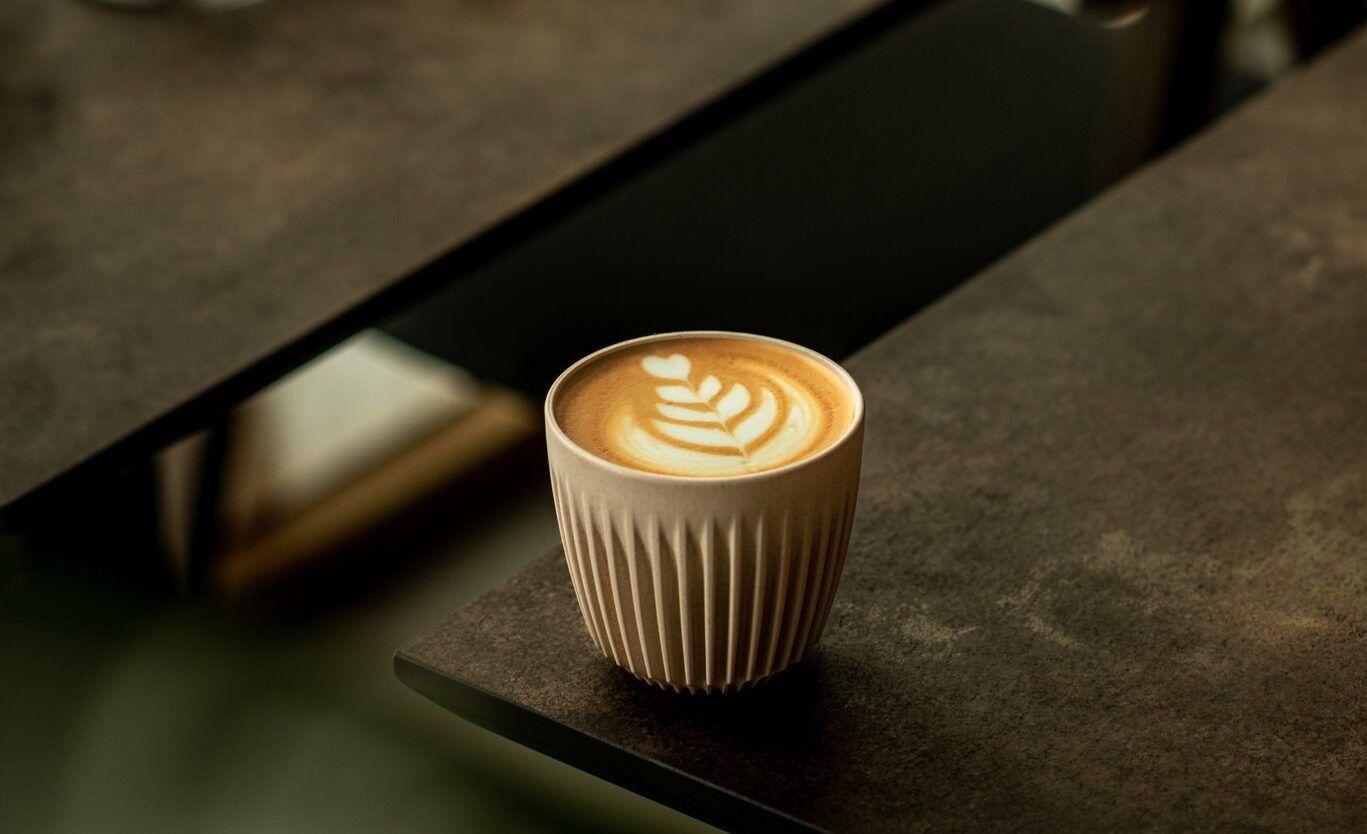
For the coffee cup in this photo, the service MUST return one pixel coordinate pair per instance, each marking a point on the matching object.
(705, 485)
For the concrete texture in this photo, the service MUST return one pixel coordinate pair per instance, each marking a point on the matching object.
(1109, 567)
(185, 195)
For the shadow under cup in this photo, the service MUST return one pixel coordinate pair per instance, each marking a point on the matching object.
(705, 584)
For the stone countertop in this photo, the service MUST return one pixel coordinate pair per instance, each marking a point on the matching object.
(1109, 567)
(187, 197)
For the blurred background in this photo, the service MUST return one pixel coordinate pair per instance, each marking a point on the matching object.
(203, 642)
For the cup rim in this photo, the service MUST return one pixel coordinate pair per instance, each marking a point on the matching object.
(856, 417)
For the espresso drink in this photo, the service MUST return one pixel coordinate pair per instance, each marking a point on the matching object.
(704, 406)
(693, 572)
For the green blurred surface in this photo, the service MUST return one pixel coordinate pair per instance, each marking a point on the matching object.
(125, 708)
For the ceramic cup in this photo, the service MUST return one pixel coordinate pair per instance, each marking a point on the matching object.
(705, 584)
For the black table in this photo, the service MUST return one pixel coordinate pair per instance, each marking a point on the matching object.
(1109, 568)
(194, 205)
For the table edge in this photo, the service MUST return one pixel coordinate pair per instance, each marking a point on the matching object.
(648, 777)
(23, 508)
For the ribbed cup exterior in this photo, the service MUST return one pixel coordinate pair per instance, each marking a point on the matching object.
(705, 584)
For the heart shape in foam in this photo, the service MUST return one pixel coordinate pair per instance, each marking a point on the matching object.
(676, 366)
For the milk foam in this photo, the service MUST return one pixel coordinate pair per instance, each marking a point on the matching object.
(683, 411)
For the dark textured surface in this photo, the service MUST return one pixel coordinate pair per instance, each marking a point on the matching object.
(820, 180)
(1109, 568)
(184, 195)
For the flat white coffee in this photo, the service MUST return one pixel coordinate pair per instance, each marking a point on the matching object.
(703, 406)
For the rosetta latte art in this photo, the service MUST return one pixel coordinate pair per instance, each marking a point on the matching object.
(703, 407)
(704, 425)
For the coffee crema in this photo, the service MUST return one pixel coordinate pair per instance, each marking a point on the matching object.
(703, 406)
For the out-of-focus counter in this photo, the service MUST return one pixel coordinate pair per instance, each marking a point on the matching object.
(191, 205)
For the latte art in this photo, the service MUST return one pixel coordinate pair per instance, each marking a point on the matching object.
(706, 432)
(704, 407)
